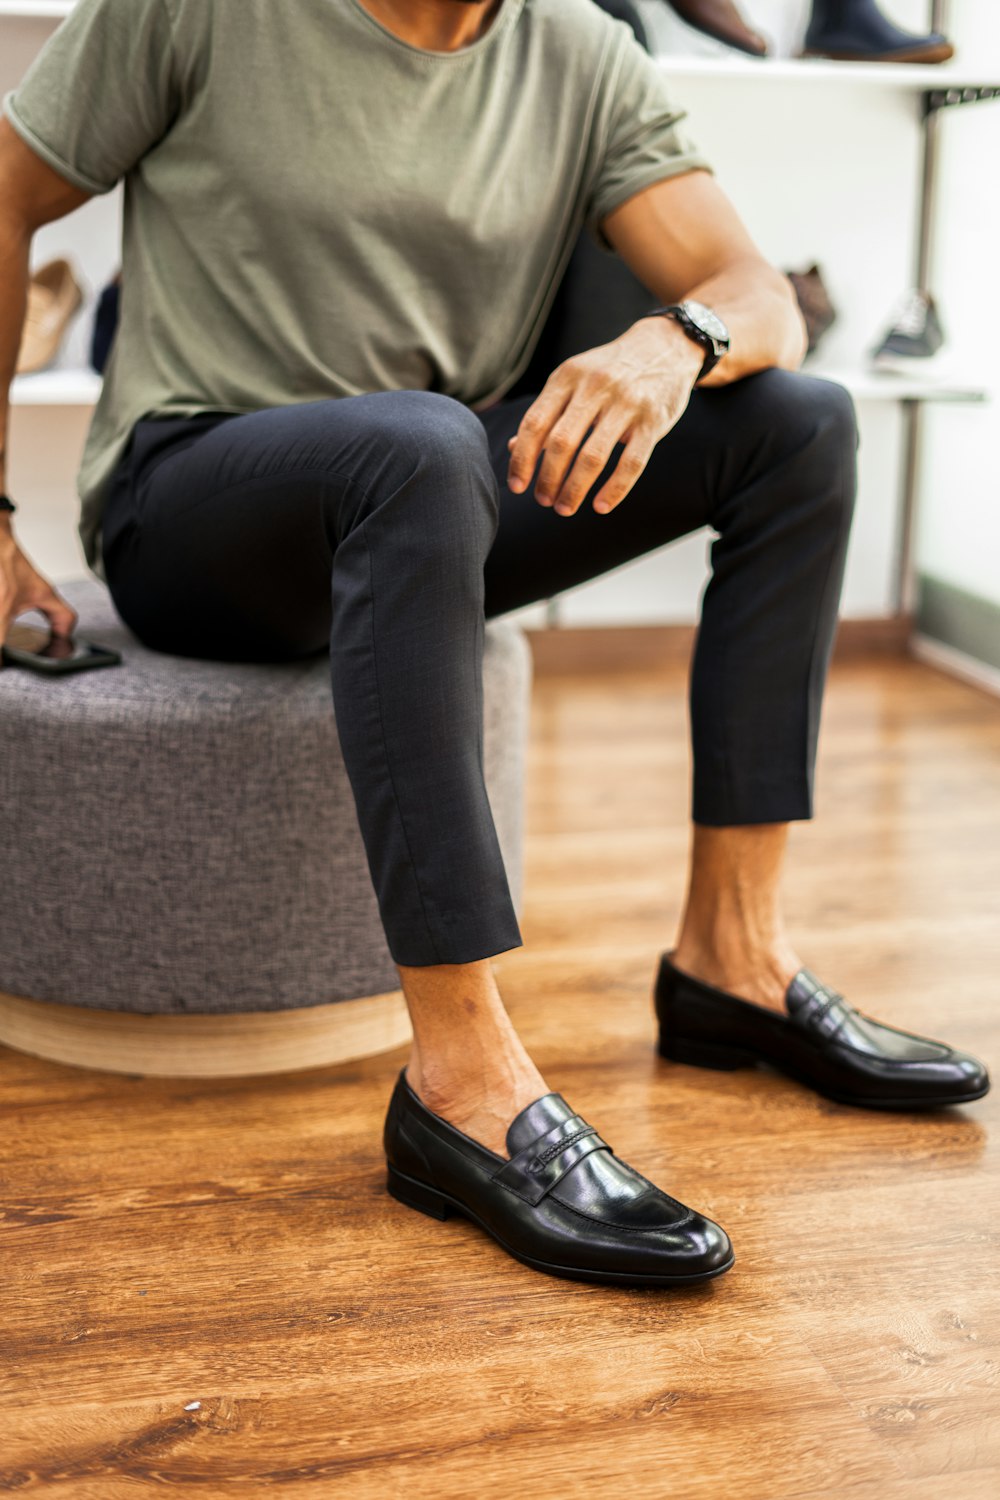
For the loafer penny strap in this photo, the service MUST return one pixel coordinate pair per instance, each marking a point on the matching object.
(535, 1171)
(816, 1007)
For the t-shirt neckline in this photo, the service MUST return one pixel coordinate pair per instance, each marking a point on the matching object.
(508, 10)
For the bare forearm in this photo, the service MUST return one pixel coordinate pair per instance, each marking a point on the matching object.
(758, 306)
(683, 239)
(15, 246)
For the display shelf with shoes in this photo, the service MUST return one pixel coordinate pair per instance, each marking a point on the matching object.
(875, 57)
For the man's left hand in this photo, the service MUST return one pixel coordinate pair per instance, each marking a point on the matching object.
(630, 391)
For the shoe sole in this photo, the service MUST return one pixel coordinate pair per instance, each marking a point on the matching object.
(939, 53)
(438, 1205)
(722, 1059)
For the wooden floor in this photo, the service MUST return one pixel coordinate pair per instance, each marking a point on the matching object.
(206, 1288)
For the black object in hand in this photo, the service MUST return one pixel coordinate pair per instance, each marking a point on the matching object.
(53, 655)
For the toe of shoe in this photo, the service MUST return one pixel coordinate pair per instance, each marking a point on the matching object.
(699, 1248)
(711, 1247)
(973, 1077)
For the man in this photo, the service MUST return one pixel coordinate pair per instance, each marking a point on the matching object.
(344, 226)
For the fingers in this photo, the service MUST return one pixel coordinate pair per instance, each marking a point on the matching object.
(59, 614)
(589, 405)
(530, 438)
(592, 457)
(567, 436)
(633, 460)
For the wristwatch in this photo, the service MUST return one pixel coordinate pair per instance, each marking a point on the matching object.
(701, 324)
(6, 503)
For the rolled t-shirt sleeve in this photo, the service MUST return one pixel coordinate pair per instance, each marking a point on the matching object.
(643, 140)
(101, 91)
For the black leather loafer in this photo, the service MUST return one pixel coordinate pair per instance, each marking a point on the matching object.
(822, 1041)
(563, 1203)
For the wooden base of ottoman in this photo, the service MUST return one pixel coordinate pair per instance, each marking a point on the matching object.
(204, 1046)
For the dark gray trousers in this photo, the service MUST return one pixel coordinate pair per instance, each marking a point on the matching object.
(380, 527)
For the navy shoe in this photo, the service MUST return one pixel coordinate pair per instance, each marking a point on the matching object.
(857, 31)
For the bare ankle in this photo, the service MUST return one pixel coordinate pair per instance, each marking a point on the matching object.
(468, 1063)
(760, 974)
(479, 1100)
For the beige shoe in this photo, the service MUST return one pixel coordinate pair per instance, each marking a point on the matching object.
(54, 297)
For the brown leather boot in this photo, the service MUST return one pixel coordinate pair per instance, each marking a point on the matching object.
(818, 311)
(720, 19)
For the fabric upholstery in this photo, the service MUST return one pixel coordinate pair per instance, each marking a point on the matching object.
(180, 835)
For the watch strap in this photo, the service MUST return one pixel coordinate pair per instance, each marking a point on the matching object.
(712, 352)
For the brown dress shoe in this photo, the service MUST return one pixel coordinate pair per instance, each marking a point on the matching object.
(720, 19)
(54, 296)
(813, 298)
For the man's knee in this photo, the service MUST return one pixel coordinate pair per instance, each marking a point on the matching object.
(423, 465)
(807, 440)
(427, 428)
(800, 409)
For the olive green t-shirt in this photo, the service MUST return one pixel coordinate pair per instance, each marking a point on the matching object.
(314, 208)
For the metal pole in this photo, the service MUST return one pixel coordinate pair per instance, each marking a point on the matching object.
(905, 588)
(905, 584)
(928, 191)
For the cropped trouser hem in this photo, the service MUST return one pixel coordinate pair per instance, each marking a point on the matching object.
(756, 802)
(484, 935)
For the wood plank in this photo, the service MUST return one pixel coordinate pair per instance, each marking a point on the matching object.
(610, 648)
(200, 1046)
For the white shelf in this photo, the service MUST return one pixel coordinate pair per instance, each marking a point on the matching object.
(30, 8)
(56, 388)
(823, 70)
(873, 385)
(82, 387)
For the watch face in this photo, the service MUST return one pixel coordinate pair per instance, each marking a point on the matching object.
(708, 321)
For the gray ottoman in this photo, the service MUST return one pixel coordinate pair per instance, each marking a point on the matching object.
(180, 840)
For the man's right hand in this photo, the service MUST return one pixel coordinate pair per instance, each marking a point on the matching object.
(22, 588)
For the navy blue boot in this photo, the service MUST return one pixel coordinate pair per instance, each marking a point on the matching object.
(857, 31)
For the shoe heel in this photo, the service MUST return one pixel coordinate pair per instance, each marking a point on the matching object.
(417, 1195)
(705, 1054)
